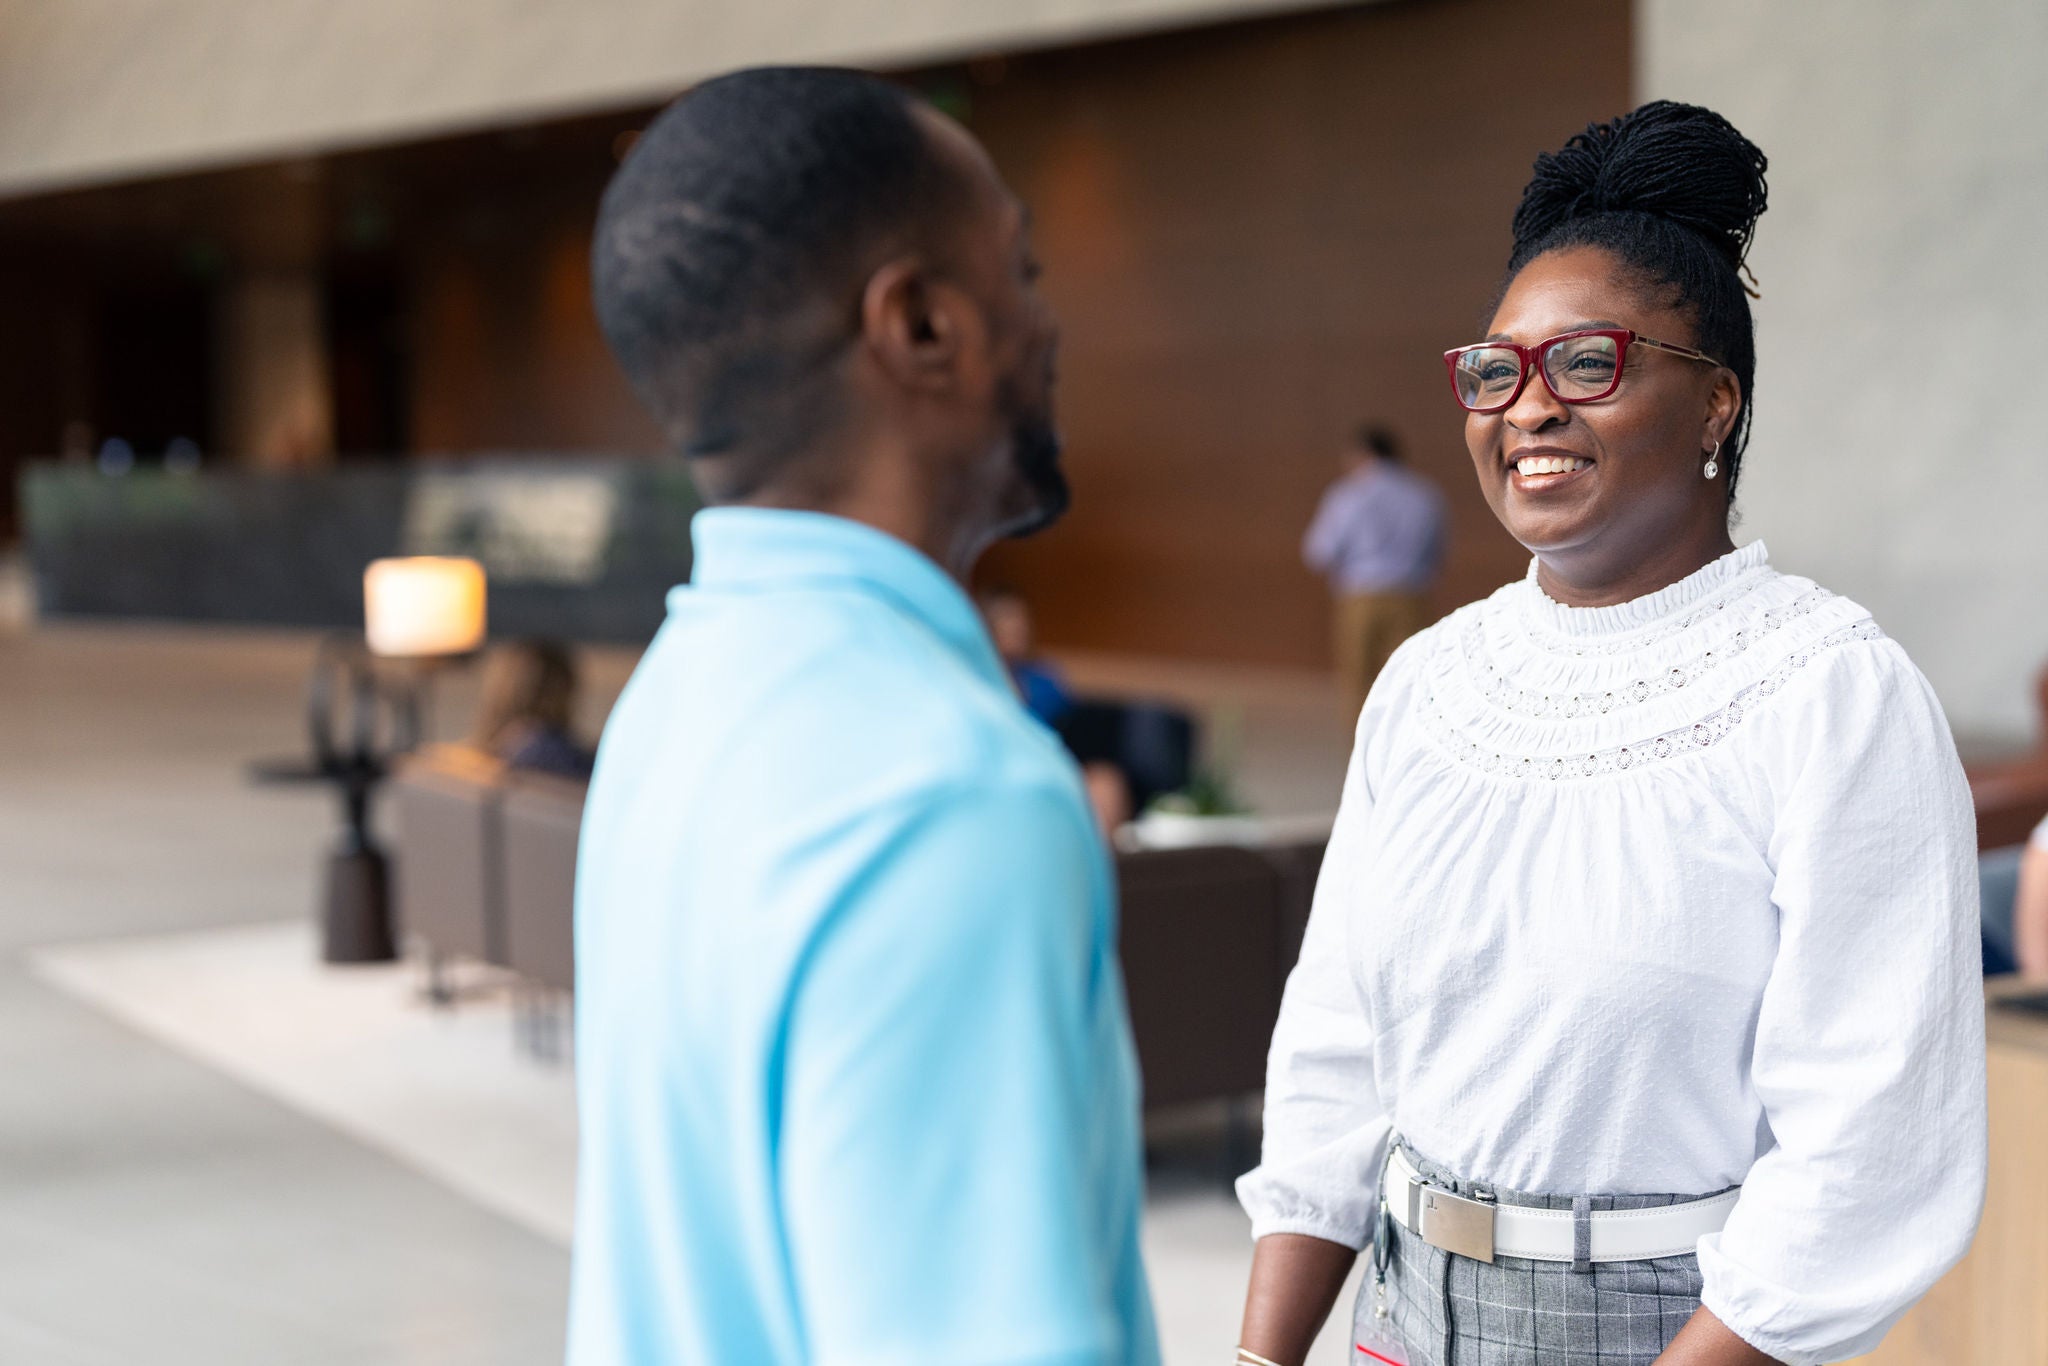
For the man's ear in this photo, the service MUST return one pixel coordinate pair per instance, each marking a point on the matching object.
(921, 329)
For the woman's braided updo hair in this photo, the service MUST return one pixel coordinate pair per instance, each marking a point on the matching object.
(1673, 191)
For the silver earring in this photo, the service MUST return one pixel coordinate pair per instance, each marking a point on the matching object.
(1713, 461)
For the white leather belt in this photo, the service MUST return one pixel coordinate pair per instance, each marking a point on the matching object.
(1484, 1230)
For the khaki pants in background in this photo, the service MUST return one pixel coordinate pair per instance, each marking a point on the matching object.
(1369, 627)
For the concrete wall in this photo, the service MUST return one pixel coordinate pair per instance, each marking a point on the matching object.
(105, 89)
(1901, 450)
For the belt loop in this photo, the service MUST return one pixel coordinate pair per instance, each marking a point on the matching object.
(1582, 1235)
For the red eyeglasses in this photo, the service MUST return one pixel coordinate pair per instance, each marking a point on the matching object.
(1577, 367)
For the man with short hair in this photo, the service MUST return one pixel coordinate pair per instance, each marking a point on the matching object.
(1378, 537)
(854, 1071)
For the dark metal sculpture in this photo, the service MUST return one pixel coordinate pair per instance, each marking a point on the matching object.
(361, 714)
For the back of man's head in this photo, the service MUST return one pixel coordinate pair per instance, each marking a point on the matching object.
(732, 246)
(1377, 442)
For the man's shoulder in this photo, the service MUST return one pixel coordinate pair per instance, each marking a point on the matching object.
(919, 692)
(864, 692)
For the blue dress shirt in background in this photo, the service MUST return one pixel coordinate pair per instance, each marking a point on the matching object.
(1042, 689)
(854, 1070)
(1379, 529)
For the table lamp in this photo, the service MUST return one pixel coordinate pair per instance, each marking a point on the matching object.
(423, 606)
(417, 611)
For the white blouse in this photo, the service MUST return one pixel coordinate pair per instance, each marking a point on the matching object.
(1663, 897)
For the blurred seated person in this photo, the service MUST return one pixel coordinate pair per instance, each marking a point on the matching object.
(1038, 681)
(524, 717)
(1998, 884)
(2030, 906)
(1045, 695)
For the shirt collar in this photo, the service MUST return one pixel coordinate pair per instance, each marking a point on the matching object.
(747, 548)
(1693, 591)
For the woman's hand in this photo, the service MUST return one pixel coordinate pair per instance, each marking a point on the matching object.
(1295, 1280)
(1706, 1341)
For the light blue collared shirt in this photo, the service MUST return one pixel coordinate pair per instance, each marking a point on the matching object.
(853, 1066)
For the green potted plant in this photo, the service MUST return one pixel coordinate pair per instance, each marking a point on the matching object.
(1209, 810)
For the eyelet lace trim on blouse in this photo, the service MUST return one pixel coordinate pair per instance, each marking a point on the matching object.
(1494, 686)
(1672, 744)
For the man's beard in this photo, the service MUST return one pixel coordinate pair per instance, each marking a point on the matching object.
(1035, 453)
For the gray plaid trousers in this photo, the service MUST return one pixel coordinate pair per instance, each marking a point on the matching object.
(1448, 1310)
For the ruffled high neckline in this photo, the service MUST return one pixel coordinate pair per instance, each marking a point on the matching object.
(1691, 591)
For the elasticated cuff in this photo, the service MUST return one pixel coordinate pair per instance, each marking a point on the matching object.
(1769, 1343)
(1313, 1228)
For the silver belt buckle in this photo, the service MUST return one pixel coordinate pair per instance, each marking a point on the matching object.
(1452, 1222)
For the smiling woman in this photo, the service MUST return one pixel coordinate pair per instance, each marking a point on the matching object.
(1634, 231)
(1638, 1017)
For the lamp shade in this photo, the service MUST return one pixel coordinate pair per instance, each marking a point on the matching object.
(423, 605)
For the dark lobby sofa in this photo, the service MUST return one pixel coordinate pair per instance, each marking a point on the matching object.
(485, 865)
(447, 884)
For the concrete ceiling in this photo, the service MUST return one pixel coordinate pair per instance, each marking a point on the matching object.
(97, 91)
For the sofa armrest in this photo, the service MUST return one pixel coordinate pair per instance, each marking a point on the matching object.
(543, 816)
(445, 804)
(2011, 799)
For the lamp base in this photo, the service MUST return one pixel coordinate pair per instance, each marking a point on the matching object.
(356, 911)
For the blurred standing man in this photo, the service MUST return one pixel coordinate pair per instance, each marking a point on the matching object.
(1379, 539)
(854, 1071)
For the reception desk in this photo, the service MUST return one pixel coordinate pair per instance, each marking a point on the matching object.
(584, 547)
(1992, 1310)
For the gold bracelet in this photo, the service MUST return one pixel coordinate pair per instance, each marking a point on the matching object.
(1247, 1357)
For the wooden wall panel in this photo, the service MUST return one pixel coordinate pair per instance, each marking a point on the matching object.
(507, 355)
(46, 330)
(1255, 237)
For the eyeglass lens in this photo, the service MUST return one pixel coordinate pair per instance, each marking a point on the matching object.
(1577, 368)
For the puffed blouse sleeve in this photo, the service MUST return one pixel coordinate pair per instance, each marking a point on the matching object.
(1325, 1126)
(1869, 1046)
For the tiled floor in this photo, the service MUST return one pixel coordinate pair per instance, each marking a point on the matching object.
(154, 1210)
